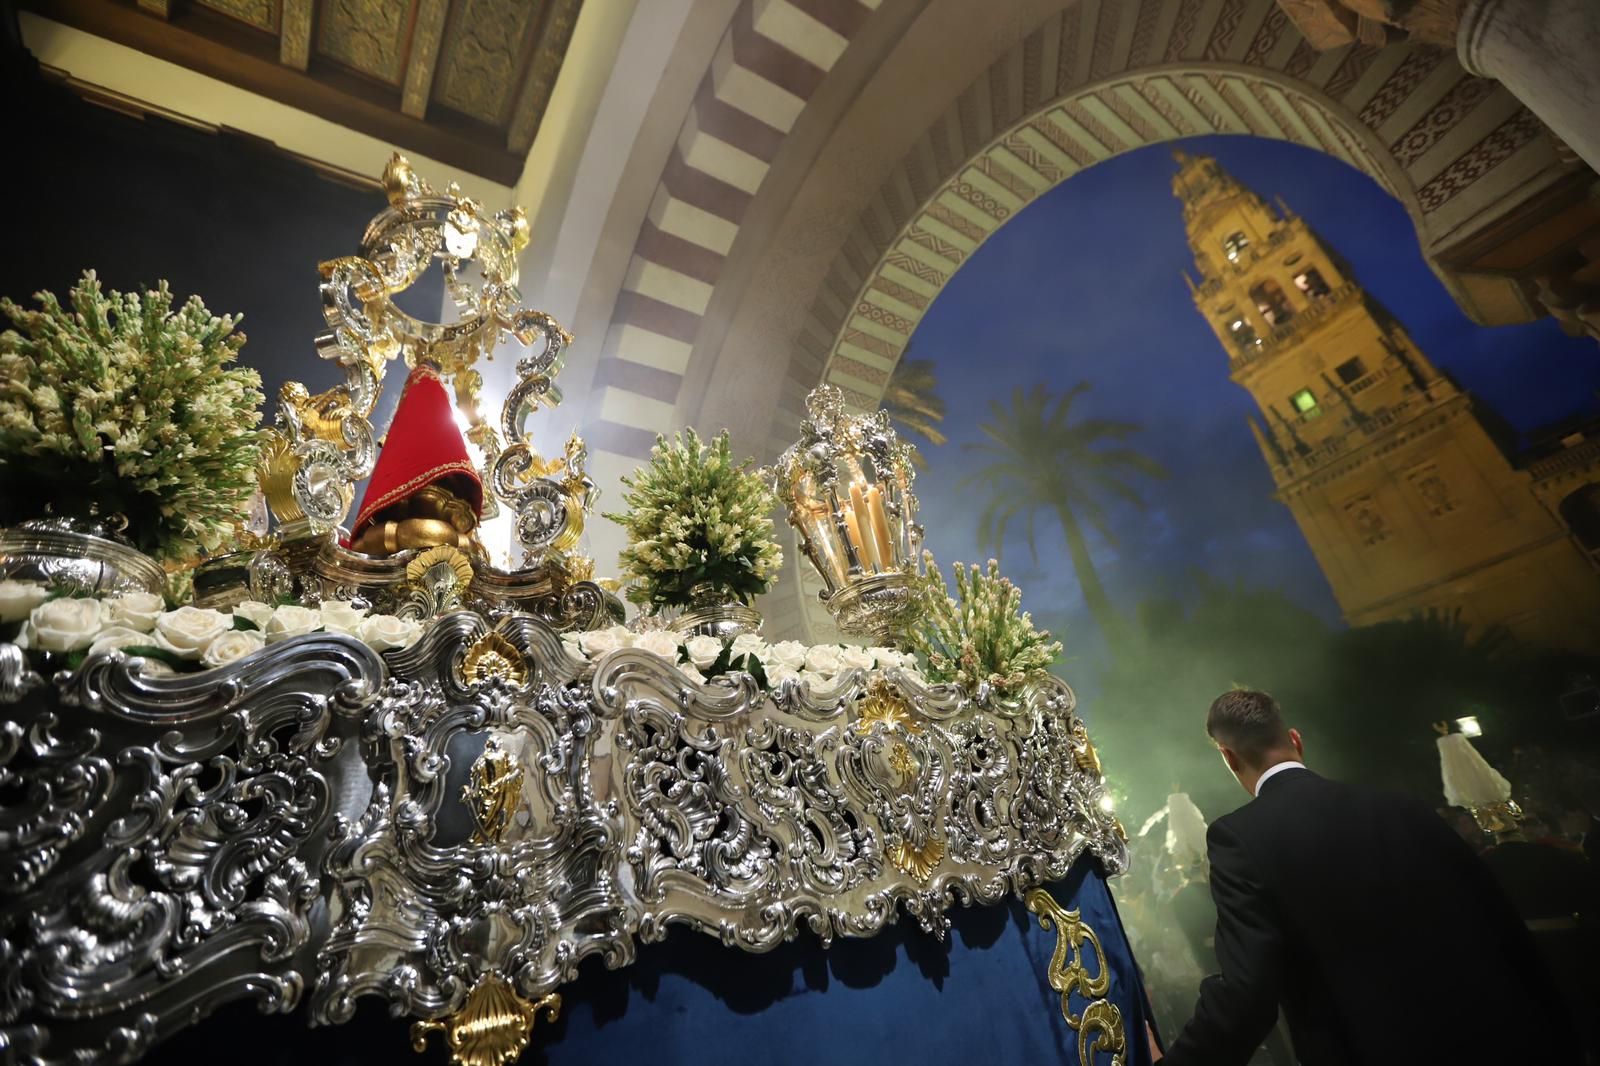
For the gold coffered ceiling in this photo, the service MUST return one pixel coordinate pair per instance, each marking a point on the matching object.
(262, 14)
(463, 81)
(368, 36)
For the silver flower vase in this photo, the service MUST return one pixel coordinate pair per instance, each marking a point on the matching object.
(81, 555)
(713, 612)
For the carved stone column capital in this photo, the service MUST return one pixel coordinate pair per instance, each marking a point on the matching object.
(1334, 23)
(1571, 293)
(1543, 51)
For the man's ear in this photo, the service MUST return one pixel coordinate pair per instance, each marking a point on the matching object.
(1230, 757)
(1299, 749)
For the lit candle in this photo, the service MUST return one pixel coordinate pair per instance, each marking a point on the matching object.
(855, 539)
(820, 533)
(862, 524)
(880, 527)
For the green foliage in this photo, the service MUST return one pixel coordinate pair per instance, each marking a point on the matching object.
(150, 651)
(1041, 459)
(980, 634)
(126, 407)
(697, 518)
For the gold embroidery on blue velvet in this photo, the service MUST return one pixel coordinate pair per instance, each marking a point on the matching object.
(1099, 1026)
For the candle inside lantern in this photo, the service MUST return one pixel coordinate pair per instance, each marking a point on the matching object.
(819, 530)
(855, 539)
(880, 528)
(860, 521)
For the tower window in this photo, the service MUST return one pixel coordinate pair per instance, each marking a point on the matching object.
(1310, 282)
(1243, 334)
(1351, 370)
(1367, 519)
(1581, 512)
(1234, 246)
(1305, 404)
(1434, 492)
(1271, 302)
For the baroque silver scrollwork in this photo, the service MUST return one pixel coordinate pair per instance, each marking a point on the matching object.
(425, 913)
(160, 842)
(481, 811)
(749, 817)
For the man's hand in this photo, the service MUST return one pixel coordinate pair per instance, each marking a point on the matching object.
(1155, 1047)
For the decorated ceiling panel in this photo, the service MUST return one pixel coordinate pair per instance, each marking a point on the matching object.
(462, 81)
(262, 14)
(484, 52)
(369, 36)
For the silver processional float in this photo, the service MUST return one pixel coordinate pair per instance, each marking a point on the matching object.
(421, 779)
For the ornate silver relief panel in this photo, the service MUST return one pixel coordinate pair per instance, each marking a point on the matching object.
(448, 878)
(159, 842)
(454, 827)
(748, 816)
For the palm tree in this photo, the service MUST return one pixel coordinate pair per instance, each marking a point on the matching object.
(912, 401)
(1041, 459)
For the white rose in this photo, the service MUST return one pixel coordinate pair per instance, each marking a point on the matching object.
(292, 621)
(65, 624)
(691, 673)
(234, 644)
(790, 653)
(135, 610)
(814, 681)
(573, 646)
(777, 675)
(156, 668)
(254, 611)
(703, 650)
(886, 658)
(340, 616)
(855, 658)
(659, 642)
(18, 598)
(750, 644)
(120, 637)
(597, 642)
(382, 632)
(824, 659)
(189, 631)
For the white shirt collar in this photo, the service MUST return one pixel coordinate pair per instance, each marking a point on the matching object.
(1277, 768)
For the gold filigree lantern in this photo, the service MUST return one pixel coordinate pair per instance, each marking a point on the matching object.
(847, 486)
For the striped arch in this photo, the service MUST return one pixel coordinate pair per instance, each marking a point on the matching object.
(1444, 143)
(1024, 162)
(771, 59)
(1104, 77)
(815, 89)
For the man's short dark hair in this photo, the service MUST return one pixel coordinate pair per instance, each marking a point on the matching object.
(1247, 721)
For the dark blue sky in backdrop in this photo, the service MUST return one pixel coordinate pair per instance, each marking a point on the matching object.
(1086, 284)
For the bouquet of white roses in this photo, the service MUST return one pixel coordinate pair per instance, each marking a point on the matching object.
(69, 629)
(123, 406)
(697, 519)
(982, 633)
(703, 658)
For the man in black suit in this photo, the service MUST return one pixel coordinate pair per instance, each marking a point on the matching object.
(1365, 917)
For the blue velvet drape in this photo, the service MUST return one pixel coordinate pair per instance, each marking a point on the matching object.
(981, 996)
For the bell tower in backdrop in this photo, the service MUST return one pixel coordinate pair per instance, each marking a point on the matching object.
(1397, 484)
